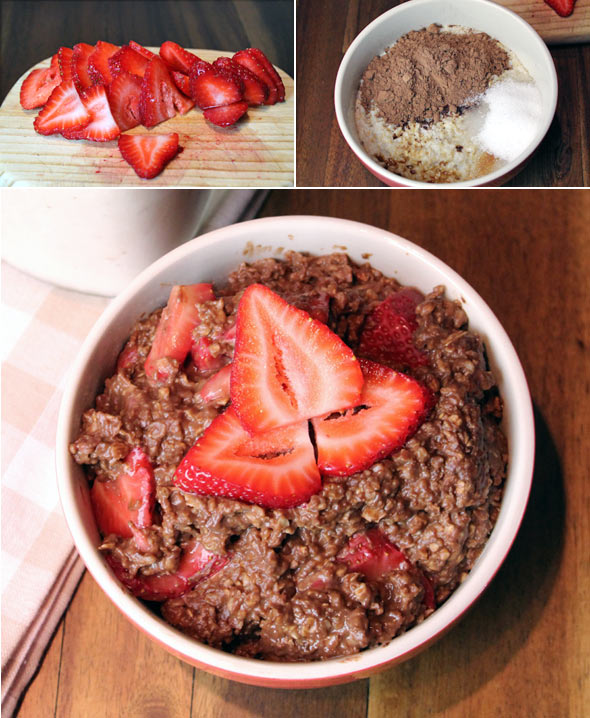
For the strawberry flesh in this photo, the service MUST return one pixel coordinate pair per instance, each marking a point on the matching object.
(98, 63)
(215, 88)
(562, 7)
(173, 338)
(227, 115)
(148, 54)
(216, 389)
(38, 86)
(287, 366)
(80, 73)
(124, 94)
(128, 60)
(269, 67)
(177, 58)
(149, 154)
(102, 126)
(63, 110)
(182, 81)
(202, 356)
(64, 61)
(275, 469)
(160, 98)
(251, 63)
(129, 497)
(390, 409)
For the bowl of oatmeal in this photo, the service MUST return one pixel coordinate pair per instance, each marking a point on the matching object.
(448, 94)
(370, 558)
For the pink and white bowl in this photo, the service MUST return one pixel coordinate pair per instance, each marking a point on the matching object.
(481, 15)
(210, 258)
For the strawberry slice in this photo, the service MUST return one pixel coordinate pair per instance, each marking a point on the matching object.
(250, 62)
(275, 469)
(64, 61)
(196, 565)
(255, 91)
(63, 110)
(148, 54)
(390, 409)
(226, 115)
(215, 88)
(173, 338)
(562, 7)
(269, 67)
(124, 94)
(80, 73)
(55, 61)
(129, 497)
(388, 331)
(102, 127)
(177, 58)
(98, 63)
(202, 357)
(216, 389)
(287, 366)
(149, 154)
(182, 81)
(38, 86)
(160, 98)
(373, 555)
(128, 60)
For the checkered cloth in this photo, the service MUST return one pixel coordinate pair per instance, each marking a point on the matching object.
(42, 329)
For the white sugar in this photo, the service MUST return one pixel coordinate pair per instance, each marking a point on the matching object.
(512, 113)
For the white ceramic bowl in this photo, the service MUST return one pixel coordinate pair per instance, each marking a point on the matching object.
(481, 15)
(211, 258)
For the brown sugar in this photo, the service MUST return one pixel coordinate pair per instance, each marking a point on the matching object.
(429, 73)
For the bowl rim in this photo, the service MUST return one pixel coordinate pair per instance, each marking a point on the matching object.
(385, 175)
(336, 669)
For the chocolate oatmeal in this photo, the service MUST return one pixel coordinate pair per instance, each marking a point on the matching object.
(287, 584)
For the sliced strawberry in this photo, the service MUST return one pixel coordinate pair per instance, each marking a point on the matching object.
(148, 54)
(199, 68)
(160, 98)
(269, 67)
(182, 81)
(173, 338)
(250, 62)
(216, 389)
(562, 7)
(177, 58)
(196, 565)
(129, 497)
(316, 304)
(38, 86)
(55, 61)
(102, 127)
(63, 110)
(226, 115)
(98, 63)
(64, 61)
(390, 409)
(127, 60)
(255, 91)
(214, 88)
(80, 73)
(149, 154)
(275, 469)
(203, 359)
(287, 366)
(124, 94)
(387, 336)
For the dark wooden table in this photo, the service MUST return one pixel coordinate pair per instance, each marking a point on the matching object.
(324, 32)
(523, 649)
(34, 29)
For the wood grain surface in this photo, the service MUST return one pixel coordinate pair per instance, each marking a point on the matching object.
(524, 648)
(325, 160)
(256, 152)
(550, 26)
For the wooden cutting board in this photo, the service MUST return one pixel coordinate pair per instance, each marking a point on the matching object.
(550, 26)
(257, 152)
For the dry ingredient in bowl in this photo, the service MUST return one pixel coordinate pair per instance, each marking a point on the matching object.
(445, 104)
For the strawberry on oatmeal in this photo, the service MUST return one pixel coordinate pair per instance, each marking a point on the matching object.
(299, 465)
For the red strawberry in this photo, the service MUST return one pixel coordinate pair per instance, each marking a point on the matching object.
(63, 110)
(124, 94)
(127, 60)
(226, 115)
(250, 62)
(388, 331)
(98, 63)
(562, 7)
(173, 338)
(203, 359)
(182, 81)
(287, 366)
(269, 67)
(128, 357)
(64, 61)
(177, 58)
(216, 389)
(129, 497)
(149, 154)
(316, 304)
(275, 469)
(255, 91)
(55, 61)
(196, 565)
(80, 73)
(160, 98)
(199, 68)
(214, 88)
(38, 86)
(102, 127)
(390, 409)
(148, 54)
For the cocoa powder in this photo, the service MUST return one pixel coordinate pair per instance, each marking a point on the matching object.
(430, 73)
